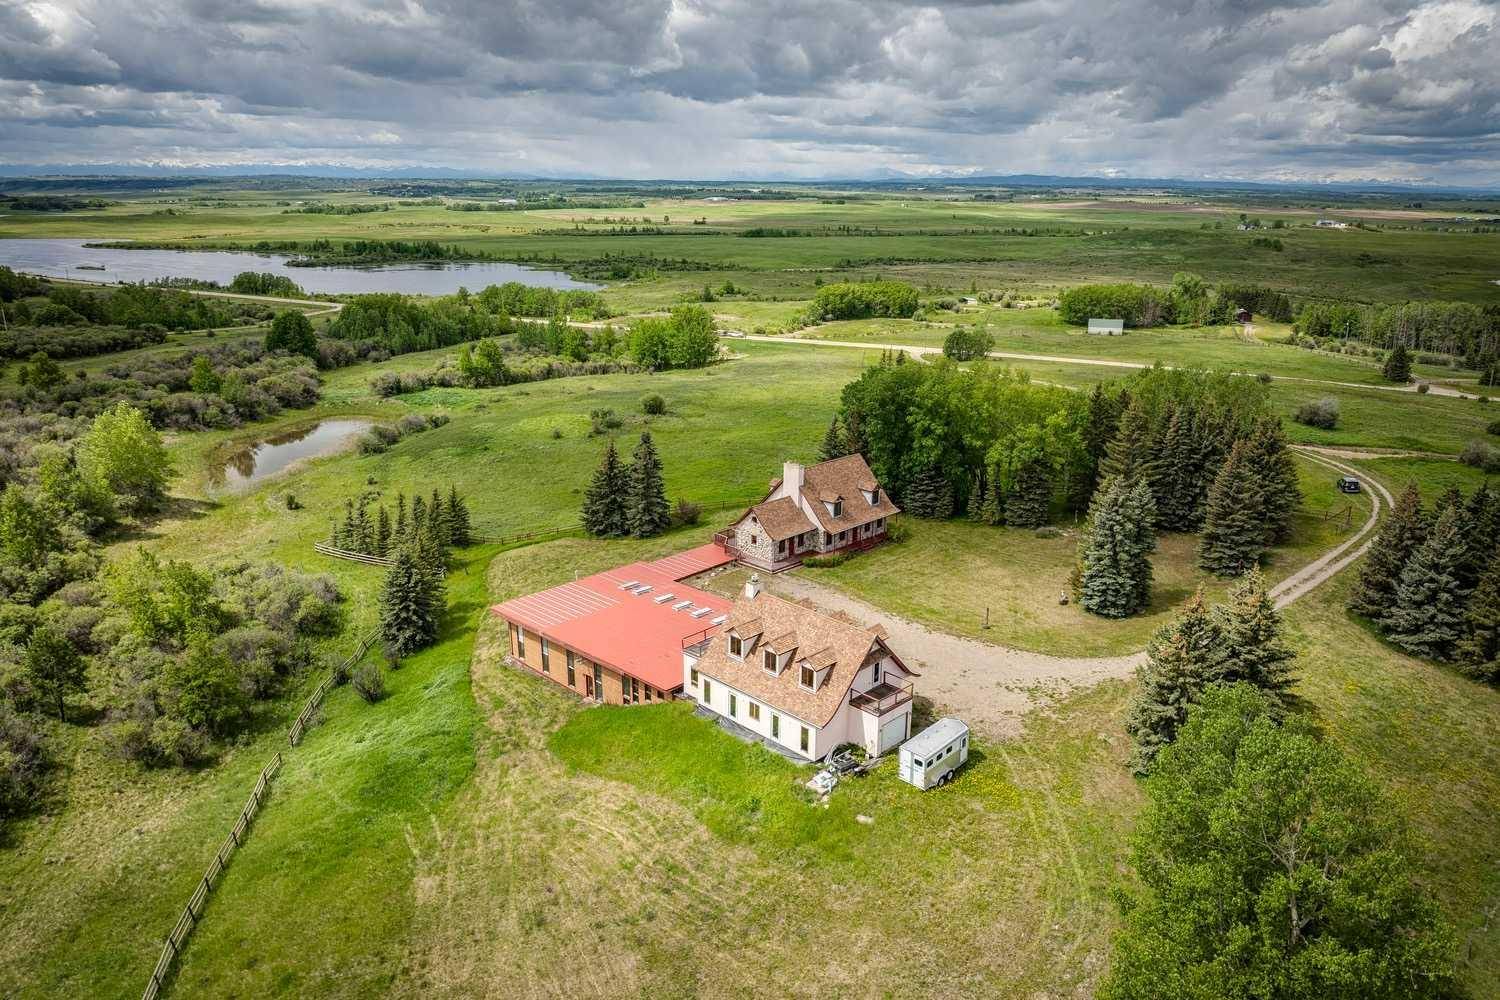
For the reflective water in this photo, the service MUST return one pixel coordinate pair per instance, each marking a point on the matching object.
(260, 461)
(62, 259)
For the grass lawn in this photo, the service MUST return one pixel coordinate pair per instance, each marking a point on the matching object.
(945, 574)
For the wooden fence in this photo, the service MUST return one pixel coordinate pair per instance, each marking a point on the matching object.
(194, 909)
(324, 548)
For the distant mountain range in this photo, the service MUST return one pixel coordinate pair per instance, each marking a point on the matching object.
(883, 178)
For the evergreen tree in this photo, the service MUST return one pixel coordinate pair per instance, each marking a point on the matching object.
(1428, 617)
(646, 509)
(418, 515)
(437, 519)
(1129, 455)
(1272, 466)
(364, 533)
(1397, 365)
(398, 531)
(978, 487)
(1479, 650)
(336, 534)
(1115, 571)
(930, 494)
(1253, 649)
(835, 443)
(351, 536)
(408, 609)
(460, 529)
(1174, 484)
(992, 508)
(604, 500)
(1479, 539)
(1182, 659)
(1100, 426)
(1210, 434)
(1028, 503)
(1400, 535)
(1233, 527)
(382, 531)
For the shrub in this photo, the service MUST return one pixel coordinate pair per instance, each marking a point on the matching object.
(369, 681)
(653, 405)
(412, 423)
(1048, 531)
(1423, 388)
(23, 761)
(861, 300)
(292, 503)
(826, 562)
(1493, 428)
(686, 512)
(1265, 378)
(1137, 305)
(1481, 455)
(372, 444)
(603, 420)
(1323, 413)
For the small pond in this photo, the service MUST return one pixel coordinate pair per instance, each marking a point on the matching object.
(256, 463)
(72, 259)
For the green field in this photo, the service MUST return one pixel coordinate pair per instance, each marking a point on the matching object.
(478, 831)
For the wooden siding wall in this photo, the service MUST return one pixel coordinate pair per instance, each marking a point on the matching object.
(619, 689)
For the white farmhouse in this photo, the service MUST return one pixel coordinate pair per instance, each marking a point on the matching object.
(800, 679)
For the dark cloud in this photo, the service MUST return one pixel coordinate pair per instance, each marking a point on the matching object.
(1260, 88)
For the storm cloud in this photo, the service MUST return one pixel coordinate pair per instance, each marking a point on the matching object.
(1259, 89)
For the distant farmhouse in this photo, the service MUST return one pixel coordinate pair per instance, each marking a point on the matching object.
(834, 506)
(800, 680)
(1331, 224)
(1107, 327)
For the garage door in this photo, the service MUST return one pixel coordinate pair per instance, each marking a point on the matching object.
(892, 733)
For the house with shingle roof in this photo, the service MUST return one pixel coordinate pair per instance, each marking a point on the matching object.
(799, 679)
(834, 506)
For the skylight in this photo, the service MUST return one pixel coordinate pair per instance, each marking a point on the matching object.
(682, 604)
(700, 612)
(663, 598)
(628, 584)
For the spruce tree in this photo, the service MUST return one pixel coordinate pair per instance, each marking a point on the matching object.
(1402, 532)
(437, 519)
(1273, 468)
(1028, 502)
(930, 494)
(1210, 432)
(835, 444)
(1479, 650)
(408, 611)
(1174, 485)
(646, 509)
(604, 500)
(460, 529)
(1233, 527)
(992, 509)
(364, 531)
(1099, 429)
(1181, 660)
(1397, 365)
(1129, 455)
(1479, 537)
(382, 531)
(1252, 647)
(1428, 617)
(1115, 570)
(978, 487)
(398, 530)
(351, 537)
(418, 515)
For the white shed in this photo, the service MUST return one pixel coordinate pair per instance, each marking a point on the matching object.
(930, 757)
(1107, 327)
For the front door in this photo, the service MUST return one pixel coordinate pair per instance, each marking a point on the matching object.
(588, 686)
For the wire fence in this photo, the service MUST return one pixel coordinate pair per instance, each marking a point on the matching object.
(191, 913)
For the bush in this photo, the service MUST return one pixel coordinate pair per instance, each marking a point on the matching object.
(1137, 305)
(1048, 531)
(1481, 455)
(653, 405)
(1323, 413)
(1423, 388)
(369, 681)
(23, 761)
(862, 300)
(603, 420)
(826, 562)
(1493, 428)
(686, 512)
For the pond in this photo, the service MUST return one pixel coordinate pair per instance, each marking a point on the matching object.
(72, 259)
(258, 462)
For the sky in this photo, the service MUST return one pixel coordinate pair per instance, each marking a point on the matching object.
(1299, 90)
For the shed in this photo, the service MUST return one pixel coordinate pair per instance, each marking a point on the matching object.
(933, 755)
(1107, 327)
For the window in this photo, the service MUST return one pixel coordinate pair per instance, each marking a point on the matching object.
(771, 660)
(754, 539)
(545, 661)
(708, 694)
(635, 689)
(872, 497)
(827, 538)
(572, 677)
(648, 692)
(876, 671)
(807, 676)
(731, 705)
(781, 547)
(520, 642)
(693, 676)
(775, 726)
(598, 683)
(838, 508)
(755, 711)
(736, 647)
(805, 736)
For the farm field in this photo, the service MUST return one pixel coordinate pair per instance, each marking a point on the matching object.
(478, 827)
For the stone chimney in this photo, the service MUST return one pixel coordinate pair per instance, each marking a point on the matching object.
(792, 478)
(752, 586)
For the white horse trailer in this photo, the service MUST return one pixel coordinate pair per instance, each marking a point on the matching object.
(930, 757)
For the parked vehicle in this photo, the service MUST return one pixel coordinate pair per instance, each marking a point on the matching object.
(932, 756)
(1348, 484)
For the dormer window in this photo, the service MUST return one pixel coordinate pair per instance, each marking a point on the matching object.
(836, 508)
(737, 647)
(872, 497)
(808, 677)
(770, 660)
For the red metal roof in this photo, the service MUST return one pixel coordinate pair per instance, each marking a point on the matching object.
(637, 633)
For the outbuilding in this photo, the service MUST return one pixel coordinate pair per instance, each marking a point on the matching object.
(932, 756)
(1107, 327)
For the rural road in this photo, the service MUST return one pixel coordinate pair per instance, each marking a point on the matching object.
(915, 351)
(993, 687)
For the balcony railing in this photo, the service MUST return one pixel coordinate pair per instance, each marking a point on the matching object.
(882, 698)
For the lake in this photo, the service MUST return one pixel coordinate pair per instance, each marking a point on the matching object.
(61, 259)
(255, 464)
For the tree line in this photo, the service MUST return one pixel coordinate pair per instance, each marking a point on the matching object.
(1431, 582)
(627, 500)
(1455, 329)
(1190, 300)
(381, 533)
(862, 300)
